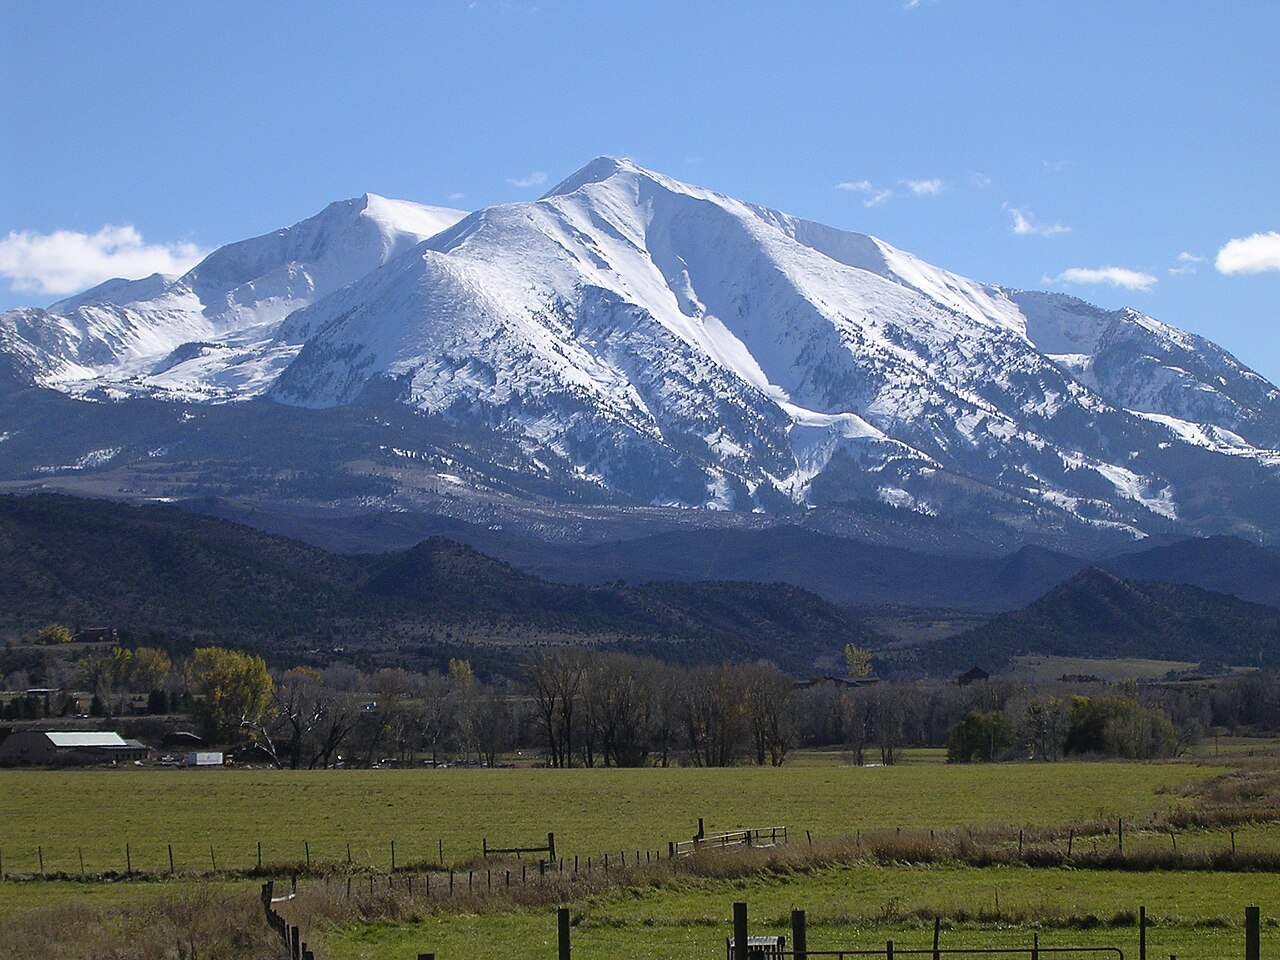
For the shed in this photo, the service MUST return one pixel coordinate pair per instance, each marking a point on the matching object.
(183, 739)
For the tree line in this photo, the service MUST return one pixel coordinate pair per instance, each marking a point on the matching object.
(575, 707)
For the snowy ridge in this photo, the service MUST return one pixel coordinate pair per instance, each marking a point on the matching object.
(677, 346)
(115, 336)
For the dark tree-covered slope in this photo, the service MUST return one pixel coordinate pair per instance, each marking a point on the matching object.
(1097, 614)
(157, 568)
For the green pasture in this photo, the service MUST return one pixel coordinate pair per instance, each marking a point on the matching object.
(1047, 668)
(1195, 915)
(96, 813)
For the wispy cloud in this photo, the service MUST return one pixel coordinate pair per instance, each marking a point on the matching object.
(1025, 225)
(1187, 263)
(455, 196)
(979, 180)
(535, 179)
(1056, 166)
(67, 261)
(874, 195)
(924, 188)
(1108, 276)
(1256, 253)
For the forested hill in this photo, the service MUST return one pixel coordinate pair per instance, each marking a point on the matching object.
(1097, 614)
(157, 568)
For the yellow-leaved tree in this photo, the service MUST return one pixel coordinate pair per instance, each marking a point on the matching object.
(231, 692)
(858, 660)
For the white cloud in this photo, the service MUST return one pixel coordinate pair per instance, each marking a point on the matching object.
(456, 196)
(875, 195)
(924, 188)
(535, 179)
(979, 180)
(1024, 224)
(1187, 263)
(67, 261)
(1056, 166)
(1253, 254)
(1111, 276)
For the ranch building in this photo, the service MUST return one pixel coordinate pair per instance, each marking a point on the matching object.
(66, 748)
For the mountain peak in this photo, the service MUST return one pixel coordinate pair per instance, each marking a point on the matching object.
(595, 171)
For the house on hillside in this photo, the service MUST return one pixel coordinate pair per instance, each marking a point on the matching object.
(68, 747)
(974, 674)
(836, 682)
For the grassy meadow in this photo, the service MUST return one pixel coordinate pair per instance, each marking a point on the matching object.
(1194, 915)
(94, 813)
(854, 900)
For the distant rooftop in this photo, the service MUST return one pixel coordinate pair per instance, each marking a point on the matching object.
(85, 738)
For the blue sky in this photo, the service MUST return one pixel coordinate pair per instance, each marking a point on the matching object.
(1111, 150)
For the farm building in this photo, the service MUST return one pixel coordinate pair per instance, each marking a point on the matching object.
(58, 747)
(183, 740)
(974, 674)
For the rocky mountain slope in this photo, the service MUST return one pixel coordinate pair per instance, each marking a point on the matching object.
(635, 341)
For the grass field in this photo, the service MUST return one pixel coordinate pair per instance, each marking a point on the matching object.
(1196, 915)
(1045, 668)
(95, 813)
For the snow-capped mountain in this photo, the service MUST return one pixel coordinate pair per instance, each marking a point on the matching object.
(190, 334)
(669, 345)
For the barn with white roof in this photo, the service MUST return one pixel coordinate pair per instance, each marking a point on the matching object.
(58, 747)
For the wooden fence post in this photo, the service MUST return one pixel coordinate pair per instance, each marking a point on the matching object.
(702, 833)
(259, 854)
(393, 856)
(1142, 933)
(441, 851)
(562, 929)
(128, 861)
(739, 931)
(799, 935)
(80, 853)
(1252, 933)
(171, 859)
(937, 932)
(551, 846)
(40, 856)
